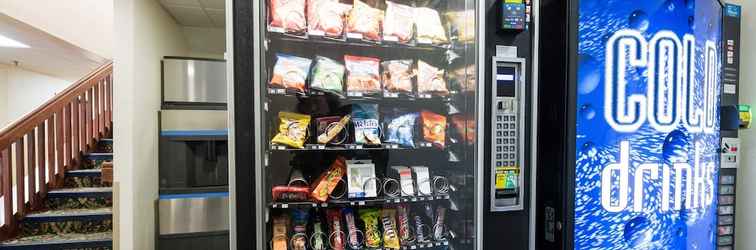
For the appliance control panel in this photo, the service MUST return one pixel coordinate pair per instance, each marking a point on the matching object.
(507, 130)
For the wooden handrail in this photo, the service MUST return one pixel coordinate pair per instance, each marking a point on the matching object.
(31, 119)
(43, 144)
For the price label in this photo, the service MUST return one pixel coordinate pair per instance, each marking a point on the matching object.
(276, 29)
(391, 95)
(354, 35)
(414, 199)
(284, 205)
(317, 33)
(390, 38)
(354, 94)
(424, 41)
(361, 203)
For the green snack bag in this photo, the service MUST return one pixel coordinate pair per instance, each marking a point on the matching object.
(371, 217)
(328, 75)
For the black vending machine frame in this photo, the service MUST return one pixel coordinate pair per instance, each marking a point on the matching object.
(243, 227)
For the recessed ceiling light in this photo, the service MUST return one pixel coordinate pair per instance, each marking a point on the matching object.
(7, 42)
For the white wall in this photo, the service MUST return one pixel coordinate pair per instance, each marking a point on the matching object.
(23, 91)
(3, 94)
(745, 228)
(87, 24)
(144, 34)
(206, 42)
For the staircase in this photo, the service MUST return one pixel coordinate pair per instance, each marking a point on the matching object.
(75, 216)
(52, 195)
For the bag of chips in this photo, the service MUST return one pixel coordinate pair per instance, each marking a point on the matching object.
(318, 236)
(337, 234)
(332, 129)
(465, 127)
(281, 232)
(326, 18)
(290, 72)
(364, 21)
(400, 128)
(286, 193)
(327, 182)
(438, 227)
(404, 223)
(461, 79)
(429, 27)
(367, 129)
(397, 76)
(327, 75)
(292, 129)
(399, 23)
(300, 218)
(463, 23)
(288, 16)
(434, 128)
(371, 218)
(430, 80)
(363, 74)
(390, 236)
(351, 224)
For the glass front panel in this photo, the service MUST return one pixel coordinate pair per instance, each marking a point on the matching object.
(368, 124)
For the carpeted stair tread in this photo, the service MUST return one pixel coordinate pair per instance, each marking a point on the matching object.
(49, 240)
(81, 192)
(84, 172)
(72, 212)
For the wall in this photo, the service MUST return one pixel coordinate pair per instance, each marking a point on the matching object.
(144, 34)
(745, 227)
(206, 42)
(24, 91)
(3, 94)
(87, 24)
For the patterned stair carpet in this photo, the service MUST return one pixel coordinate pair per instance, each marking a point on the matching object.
(77, 216)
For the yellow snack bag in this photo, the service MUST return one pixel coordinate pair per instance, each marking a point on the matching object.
(292, 130)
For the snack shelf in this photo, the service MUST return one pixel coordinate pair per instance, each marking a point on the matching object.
(361, 203)
(427, 245)
(297, 41)
(357, 96)
(349, 147)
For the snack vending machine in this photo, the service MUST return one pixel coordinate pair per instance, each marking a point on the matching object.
(376, 124)
(629, 153)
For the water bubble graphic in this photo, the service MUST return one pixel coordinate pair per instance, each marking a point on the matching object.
(670, 5)
(680, 232)
(690, 4)
(638, 232)
(587, 112)
(589, 149)
(675, 147)
(589, 74)
(639, 20)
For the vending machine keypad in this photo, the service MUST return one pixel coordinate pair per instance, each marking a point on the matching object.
(506, 129)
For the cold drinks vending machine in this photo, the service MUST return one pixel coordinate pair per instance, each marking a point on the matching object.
(629, 137)
(380, 124)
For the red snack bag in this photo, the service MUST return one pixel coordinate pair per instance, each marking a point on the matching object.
(286, 193)
(434, 128)
(365, 20)
(326, 17)
(363, 74)
(465, 127)
(337, 234)
(288, 16)
(328, 181)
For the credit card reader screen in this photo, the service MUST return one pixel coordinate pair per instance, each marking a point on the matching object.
(507, 129)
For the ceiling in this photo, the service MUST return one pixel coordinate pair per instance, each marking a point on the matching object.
(47, 54)
(197, 13)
